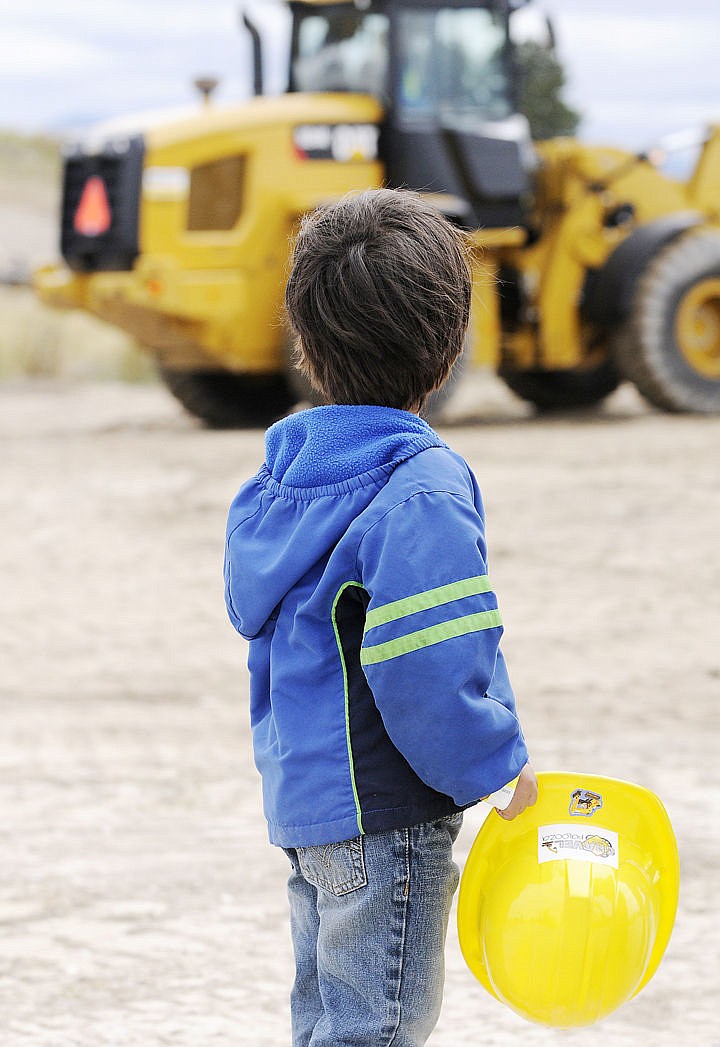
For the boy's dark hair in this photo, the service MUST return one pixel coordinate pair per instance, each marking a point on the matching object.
(379, 298)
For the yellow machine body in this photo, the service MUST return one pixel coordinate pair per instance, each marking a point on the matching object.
(213, 295)
(203, 295)
(222, 191)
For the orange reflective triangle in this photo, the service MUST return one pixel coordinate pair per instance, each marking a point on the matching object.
(93, 215)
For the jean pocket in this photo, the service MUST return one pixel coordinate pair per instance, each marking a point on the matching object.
(338, 868)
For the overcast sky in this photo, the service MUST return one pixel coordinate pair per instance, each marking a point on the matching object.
(637, 69)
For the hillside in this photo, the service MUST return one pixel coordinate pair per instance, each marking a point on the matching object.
(29, 200)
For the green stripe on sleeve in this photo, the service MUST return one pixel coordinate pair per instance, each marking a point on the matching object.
(470, 623)
(390, 612)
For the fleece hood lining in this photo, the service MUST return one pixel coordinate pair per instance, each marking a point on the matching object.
(340, 448)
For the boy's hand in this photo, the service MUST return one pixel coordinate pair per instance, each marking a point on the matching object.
(525, 794)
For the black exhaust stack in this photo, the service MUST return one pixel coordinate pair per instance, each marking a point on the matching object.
(258, 79)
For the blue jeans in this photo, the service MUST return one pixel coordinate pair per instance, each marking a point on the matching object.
(369, 918)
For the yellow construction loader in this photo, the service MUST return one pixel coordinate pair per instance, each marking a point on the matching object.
(592, 265)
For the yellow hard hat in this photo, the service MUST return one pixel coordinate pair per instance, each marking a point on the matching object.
(564, 912)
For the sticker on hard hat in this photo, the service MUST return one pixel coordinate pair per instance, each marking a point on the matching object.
(557, 843)
(584, 803)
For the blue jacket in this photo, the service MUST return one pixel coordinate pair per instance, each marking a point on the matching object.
(356, 567)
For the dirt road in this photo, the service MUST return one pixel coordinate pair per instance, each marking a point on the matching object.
(140, 904)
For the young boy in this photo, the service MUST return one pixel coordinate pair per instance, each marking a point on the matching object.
(356, 567)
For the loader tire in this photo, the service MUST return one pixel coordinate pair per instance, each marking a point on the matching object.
(563, 390)
(669, 346)
(224, 400)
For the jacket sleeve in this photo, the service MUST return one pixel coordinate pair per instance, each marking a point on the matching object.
(430, 647)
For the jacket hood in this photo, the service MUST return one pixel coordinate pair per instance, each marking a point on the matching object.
(323, 467)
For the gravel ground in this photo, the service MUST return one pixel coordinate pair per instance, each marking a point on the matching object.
(140, 903)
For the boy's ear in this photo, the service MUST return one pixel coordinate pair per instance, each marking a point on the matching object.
(298, 357)
(293, 349)
(309, 383)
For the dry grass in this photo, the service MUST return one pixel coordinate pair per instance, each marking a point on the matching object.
(42, 342)
(30, 165)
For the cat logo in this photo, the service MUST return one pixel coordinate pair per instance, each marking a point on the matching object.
(583, 803)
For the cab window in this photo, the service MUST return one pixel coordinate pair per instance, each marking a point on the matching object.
(344, 50)
(452, 66)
